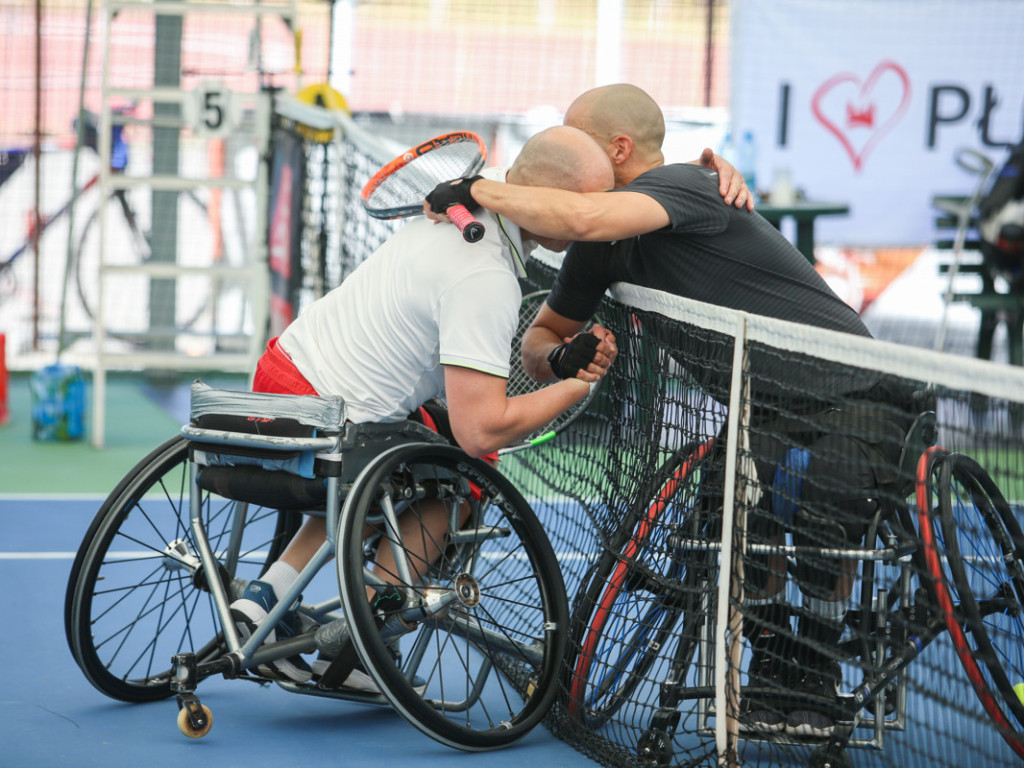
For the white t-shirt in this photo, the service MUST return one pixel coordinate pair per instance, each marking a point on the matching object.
(424, 299)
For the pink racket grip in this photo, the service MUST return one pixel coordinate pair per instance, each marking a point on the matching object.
(471, 229)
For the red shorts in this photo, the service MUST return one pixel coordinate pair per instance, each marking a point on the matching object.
(277, 374)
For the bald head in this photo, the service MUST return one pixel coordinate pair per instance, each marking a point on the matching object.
(562, 157)
(619, 110)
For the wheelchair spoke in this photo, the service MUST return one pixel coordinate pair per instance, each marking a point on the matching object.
(492, 605)
(134, 598)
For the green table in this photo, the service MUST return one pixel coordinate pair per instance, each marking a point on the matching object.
(804, 212)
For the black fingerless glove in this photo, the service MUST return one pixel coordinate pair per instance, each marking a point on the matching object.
(566, 359)
(455, 192)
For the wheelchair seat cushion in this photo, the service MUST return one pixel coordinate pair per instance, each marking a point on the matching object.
(253, 484)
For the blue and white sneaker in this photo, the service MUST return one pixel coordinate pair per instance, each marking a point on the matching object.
(251, 610)
(359, 679)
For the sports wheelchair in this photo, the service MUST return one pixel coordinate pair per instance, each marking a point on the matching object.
(947, 561)
(465, 642)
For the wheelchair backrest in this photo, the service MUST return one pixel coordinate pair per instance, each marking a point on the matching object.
(787, 482)
(921, 435)
(280, 450)
(289, 433)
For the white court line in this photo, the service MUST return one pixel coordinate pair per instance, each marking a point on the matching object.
(37, 555)
(53, 497)
(135, 555)
(147, 555)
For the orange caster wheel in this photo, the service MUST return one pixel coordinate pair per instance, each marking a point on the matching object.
(195, 730)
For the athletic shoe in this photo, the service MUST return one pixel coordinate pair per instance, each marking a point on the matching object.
(819, 693)
(760, 712)
(359, 679)
(251, 610)
(756, 717)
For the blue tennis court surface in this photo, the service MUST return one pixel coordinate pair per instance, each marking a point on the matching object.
(54, 717)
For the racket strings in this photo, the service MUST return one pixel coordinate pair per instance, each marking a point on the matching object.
(410, 183)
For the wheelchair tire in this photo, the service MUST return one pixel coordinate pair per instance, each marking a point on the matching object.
(130, 605)
(972, 546)
(640, 588)
(485, 623)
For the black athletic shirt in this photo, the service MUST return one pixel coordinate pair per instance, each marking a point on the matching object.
(711, 252)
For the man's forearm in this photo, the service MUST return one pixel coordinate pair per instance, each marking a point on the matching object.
(545, 211)
(538, 342)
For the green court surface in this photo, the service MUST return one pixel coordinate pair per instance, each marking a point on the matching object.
(142, 412)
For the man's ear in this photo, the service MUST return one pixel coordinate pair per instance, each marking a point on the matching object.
(620, 149)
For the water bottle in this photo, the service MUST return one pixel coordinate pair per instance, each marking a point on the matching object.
(728, 151)
(746, 160)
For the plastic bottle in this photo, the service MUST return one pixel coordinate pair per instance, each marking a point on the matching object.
(728, 150)
(782, 188)
(746, 160)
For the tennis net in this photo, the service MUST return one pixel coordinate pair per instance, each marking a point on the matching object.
(321, 160)
(672, 504)
(718, 492)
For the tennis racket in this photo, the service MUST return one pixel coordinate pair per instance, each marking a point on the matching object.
(521, 383)
(397, 190)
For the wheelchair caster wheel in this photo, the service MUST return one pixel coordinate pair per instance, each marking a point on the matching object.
(824, 757)
(655, 747)
(195, 730)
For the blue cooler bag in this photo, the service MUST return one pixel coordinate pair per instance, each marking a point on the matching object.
(58, 403)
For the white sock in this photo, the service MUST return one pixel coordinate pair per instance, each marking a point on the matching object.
(280, 576)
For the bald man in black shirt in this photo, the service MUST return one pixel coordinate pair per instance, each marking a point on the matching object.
(708, 252)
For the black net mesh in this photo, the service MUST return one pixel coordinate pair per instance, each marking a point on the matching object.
(758, 560)
(834, 626)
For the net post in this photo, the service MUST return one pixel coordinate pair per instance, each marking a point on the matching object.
(726, 635)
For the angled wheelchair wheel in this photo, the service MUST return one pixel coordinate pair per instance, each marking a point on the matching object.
(972, 544)
(137, 593)
(983, 542)
(641, 588)
(469, 616)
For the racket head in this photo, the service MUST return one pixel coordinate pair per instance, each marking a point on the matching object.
(521, 383)
(397, 190)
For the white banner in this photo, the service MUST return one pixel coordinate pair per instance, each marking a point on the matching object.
(866, 102)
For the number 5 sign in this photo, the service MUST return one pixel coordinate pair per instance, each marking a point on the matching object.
(211, 110)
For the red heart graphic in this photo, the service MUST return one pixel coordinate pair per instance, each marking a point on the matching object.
(860, 112)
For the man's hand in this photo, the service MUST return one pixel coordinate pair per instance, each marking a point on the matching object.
(731, 185)
(585, 356)
(449, 193)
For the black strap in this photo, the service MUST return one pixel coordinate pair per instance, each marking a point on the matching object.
(340, 667)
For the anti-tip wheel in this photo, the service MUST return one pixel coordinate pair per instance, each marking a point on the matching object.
(829, 757)
(185, 725)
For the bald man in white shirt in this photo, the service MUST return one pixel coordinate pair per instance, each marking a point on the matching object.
(426, 316)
